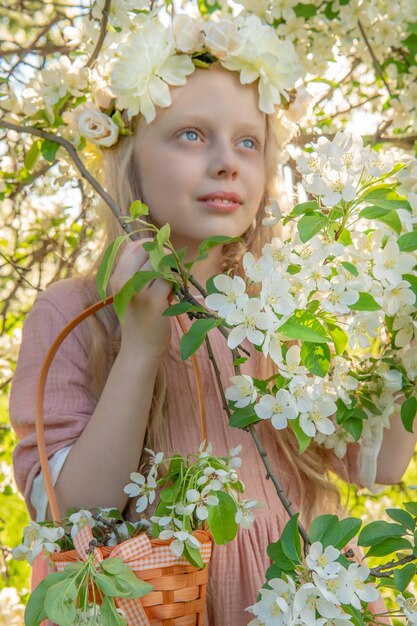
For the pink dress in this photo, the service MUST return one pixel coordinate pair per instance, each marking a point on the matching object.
(237, 570)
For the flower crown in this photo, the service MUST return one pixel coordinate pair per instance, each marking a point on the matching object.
(134, 72)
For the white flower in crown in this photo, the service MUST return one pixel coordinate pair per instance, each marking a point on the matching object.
(265, 57)
(188, 35)
(87, 120)
(222, 38)
(146, 65)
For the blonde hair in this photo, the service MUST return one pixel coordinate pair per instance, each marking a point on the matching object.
(309, 471)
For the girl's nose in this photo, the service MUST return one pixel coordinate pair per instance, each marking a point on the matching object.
(224, 164)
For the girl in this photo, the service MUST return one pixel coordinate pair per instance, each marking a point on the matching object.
(206, 165)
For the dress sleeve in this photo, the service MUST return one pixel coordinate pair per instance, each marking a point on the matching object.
(38, 496)
(69, 402)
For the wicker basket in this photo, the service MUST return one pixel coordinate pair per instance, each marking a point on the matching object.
(179, 589)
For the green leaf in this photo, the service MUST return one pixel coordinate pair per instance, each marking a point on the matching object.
(354, 426)
(387, 198)
(402, 517)
(217, 240)
(169, 494)
(305, 10)
(138, 208)
(388, 546)
(32, 155)
(408, 413)
(408, 242)
(387, 216)
(106, 265)
(366, 302)
(290, 540)
(111, 585)
(310, 225)
(303, 208)
(278, 556)
(303, 439)
(378, 531)
(411, 507)
(192, 340)
(304, 326)
(163, 234)
(113, 566)
(35, 610)
(60, 601)
(339, 337)
(49, 150)
(340, 533)
(356, 614)
(221, 519)
(404, 576)
(241, 418)
(109, 615)
(193, 556)
(133, 285)
(181, 307)
(350, 268)
(320, 526)
(316, 358)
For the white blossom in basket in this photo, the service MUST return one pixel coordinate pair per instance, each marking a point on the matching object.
(181, 538)
(242, 392)
(244, 515)
(390, 263)
(279, 408)
(317, 419)
(38, 539)
(214, 478)
(143, 487)
(200, 500)
(79, 520)
(323, 562)
(248, 322)
(232, 295)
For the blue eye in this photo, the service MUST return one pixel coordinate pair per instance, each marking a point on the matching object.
(190, 134)
(249, 143)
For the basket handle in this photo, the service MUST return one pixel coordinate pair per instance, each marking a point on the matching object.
(40, 395)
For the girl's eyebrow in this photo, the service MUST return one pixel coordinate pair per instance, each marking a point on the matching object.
(201, 119)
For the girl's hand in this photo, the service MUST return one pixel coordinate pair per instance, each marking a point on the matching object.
(144, 327)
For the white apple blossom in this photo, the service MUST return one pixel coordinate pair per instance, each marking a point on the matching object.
(79, 520)
(276, 296)
(301, 392)
(356, 589)
(317, 419)
(340, 296)
(334, 590)
(337, 441)
(405, 326)
(273, 212)
(323, 562)
(274, 607)
(278, 409)
(308, 600)
(244, 515)
(342, 382)
(242, 392)
(409, 607)
(390, 263)
(377, 163)
(292, 366)
(397, 296)
(409, 361)
(200, 501)
(248, 322)
(278, 252)
(256, 270)
(233, 460)
(119, 16)
(143, 487)
(315, 277)
(363, 327)
(232, 295)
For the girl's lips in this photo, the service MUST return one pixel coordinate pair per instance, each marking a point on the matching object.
(221, 207)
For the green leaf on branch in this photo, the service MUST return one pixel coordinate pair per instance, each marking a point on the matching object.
(217, 240)
(304, 208)
(388, 546)
(310, 225)
(320, 526)
(163, 234)
(60, 601)
(304, 326)
(221, 519)
(106, 265)
(290, 540)
(49, 150)
(279, 558)
(354, 426)
(241, 418)
(366, 302)
(350, 268)
(339, 337)
(35, 610)
(387, 216)
(378, 531)
(408, 413)
(340, 533)
(386, 198)
(303, 439)
(181, 307)
(193, 556)
(192, 340)
(32, 155)
(404, 576)
(408, 242)
(109, 614)
(316, 358)
(138, 208)
(411, 507)
(402, 517)
(134, 285)
(356, 614)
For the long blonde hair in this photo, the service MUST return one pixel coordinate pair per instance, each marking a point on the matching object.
(308, 471)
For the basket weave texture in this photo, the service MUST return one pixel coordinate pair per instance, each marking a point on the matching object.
(179, 589)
